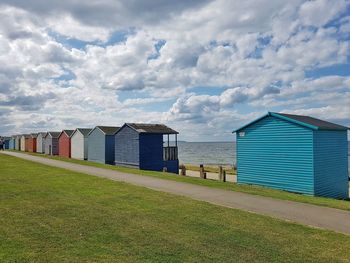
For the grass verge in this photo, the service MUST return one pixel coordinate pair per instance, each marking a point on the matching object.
(250, 189)
(55, 215)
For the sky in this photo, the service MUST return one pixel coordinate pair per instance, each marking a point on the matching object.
(201, 67)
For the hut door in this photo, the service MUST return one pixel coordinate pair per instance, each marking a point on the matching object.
(50, 150)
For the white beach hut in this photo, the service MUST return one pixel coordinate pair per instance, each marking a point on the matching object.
(40, 142)
(79, 144)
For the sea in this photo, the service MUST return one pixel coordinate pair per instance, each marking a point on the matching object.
(212, 153)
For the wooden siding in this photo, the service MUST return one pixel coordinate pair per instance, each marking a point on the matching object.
(276, 153)
(32, 145)
(331, 164)
(18, 143)
(127, 147)
(151, 152)
(97, 146)
(24, 144)
(12, 144)
(51, 145)
(78, 146)
(110, 148)
(64, 145)
(40, 144)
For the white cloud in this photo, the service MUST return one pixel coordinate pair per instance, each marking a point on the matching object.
(257, 53)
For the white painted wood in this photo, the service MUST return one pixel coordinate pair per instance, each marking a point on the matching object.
(40, 143)
(23, 143)
(78, 146)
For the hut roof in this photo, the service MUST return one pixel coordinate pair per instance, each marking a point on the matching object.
(53, 134)
(108, 130)
(43, 134)
(68, 132)
(84, 131)
(151, 128)
(306, 121)
(33, 135)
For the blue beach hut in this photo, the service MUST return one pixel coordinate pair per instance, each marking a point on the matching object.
(101, 144)
(294, 153)
(7, 143)
(142, 146)
(12, 143)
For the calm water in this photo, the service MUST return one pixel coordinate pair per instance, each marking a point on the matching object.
(211, 152)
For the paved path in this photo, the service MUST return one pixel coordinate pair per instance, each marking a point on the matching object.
(316, 216)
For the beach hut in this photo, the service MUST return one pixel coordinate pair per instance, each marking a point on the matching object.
(24, 142)
(64, 143)
(32, 142)
(18, 142)
(7, 143)
(12, 143)
(101, 144)
(294, 153)
(40, 142)
(142, 146)
(51, 143)
(79, 143)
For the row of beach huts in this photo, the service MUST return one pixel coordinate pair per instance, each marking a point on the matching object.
(295, 153)
(143, 146)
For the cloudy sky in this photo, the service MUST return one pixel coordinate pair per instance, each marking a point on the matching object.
(202, 67)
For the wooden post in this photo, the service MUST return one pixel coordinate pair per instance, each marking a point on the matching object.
(183, 170)
(201, 171)
(220, 173)
(224, 176)
(205, 175)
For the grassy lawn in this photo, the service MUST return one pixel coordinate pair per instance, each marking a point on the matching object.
(256, 190)
(54, 215)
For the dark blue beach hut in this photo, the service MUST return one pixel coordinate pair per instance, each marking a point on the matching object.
(142, 146)
(7, 143)
(101, 144)
(294, 153)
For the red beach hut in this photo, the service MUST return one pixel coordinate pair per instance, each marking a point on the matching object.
(64, 146)
(32, 142)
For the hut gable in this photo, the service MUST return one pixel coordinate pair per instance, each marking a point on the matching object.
(305, 121)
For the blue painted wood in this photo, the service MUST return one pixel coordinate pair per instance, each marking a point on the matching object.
(280, 154)
(12, 144)
(127, 147)
(7, 144)
(110, 145)
(277, 154)
(97, 146)
(331, 164)
(151, 152)
(141, 150)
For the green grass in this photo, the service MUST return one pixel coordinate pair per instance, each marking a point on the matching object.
(55, 215)
(250, 189)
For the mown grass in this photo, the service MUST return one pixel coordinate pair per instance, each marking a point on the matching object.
(250, 189)
(55, 215)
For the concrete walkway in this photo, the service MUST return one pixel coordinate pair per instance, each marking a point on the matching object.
(311, 215)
